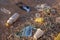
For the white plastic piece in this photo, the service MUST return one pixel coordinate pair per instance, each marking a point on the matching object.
(45, 6)
(5, 11)
(38, 7)
(37, 14)
(42, 7)
(13, 18)
(38, 33)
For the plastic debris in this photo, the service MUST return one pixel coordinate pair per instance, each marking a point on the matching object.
(37, 14)
(58, 37)
(26, 32)
(38, 7)
(39, 20)
(12, 19)
(53, 11)
(5, 11)
(42, 7)
(47, 10)
(24, 7)
(45, 6)
(38, 33)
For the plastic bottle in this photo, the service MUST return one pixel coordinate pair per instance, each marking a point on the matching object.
(38, 33)
(12, 19)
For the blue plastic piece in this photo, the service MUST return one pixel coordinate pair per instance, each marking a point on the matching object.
(26, 8)
(27, 31)
(23, 6)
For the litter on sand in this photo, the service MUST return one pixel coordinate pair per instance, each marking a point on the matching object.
(39, 20)
(26, 32)
(4, 10)
(37, 15)
(12, 19)
(38, 33)
(23, 7)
